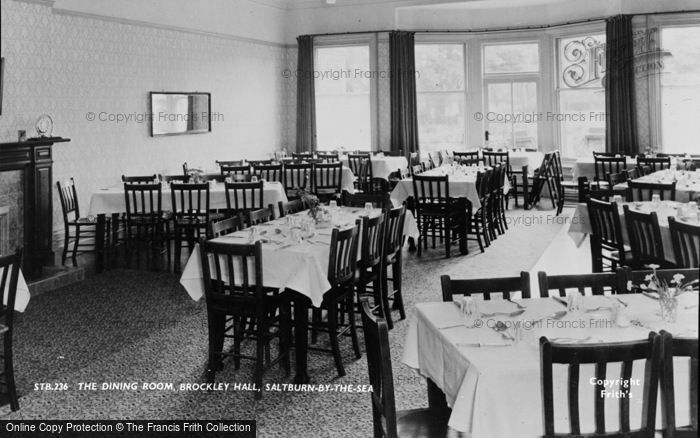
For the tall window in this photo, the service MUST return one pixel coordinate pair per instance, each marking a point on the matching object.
(441, 88)
(680, 89)
(581, 95)
(511, 77)
(343, 109)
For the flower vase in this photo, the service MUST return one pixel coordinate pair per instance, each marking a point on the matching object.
(668, 301)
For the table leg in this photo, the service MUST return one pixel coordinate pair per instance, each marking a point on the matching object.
(100, 231)
(301, 336)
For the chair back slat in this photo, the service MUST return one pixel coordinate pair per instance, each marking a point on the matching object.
(604, 166)
(236, 171)
(678, 348)
(378, 200)
(190, 201)
(327, 178)
(373, 240)
(69, 200)
(600, 355)
(586, 284)
(143, 202)
(394, 231)
(685, 238)
(486, 286)
(236, 277)
(296, 176)
(655, 163)
(257, 217)
(10, 267)
(244, 196)
(291, 207)
(138, 179)
(645, 237)
(269, 172)
(638, 191)
(342, 262)
(224, 226)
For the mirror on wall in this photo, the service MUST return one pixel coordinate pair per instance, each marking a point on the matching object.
(178, 113)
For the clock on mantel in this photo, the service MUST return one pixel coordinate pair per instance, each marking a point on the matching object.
(44, 125)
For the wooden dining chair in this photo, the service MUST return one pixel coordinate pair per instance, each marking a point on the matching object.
(575, 355)
(268, 172)
(672, 348)
(328, 157)
(685, 238)
(600, 283)
(604, 166)
(224, 226)
(139, 179)
(146, 225)
(608, 250)
(303, 156)
(358, 200)
(233, 287)
(633, 278)
(387, 422)
(257, 217)
(296, 176)
(239, 172)
(655, 163)
(190, 207)
(95, 233)
(393, 260)
(645, 239)
(638, 191)
(505, 286)
(439, 215)
(326, 180)
(368, 281)
(355, 162)
(243, 196)
(9, 276)
(467, 158)
(340, 298)
(291, 207)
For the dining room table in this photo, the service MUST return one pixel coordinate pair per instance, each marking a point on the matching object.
(687, 182)
(295, 257)
(580, 225)
(111, 199)
(585, 166)
(462, 184)
(487, 367)
(22, 297)
(382, 165)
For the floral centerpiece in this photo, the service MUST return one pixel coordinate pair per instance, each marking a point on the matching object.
(311, 202)
(668, 292)
(196, 175)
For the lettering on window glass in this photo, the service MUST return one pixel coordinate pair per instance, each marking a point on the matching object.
(583, 62)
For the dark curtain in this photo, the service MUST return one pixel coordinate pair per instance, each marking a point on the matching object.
(306, 97)
(404, 115)
(621, 126)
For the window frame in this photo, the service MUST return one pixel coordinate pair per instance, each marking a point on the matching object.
(370, 41)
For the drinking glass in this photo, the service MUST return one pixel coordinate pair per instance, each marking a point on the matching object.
(617, 199)
(469, 307)
(573, 302)
(295, 234)
(254, 235)
(368, 208)
(333, 204)
(253, 178)
(656, 200)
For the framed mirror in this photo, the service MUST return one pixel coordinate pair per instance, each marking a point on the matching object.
(178, 113)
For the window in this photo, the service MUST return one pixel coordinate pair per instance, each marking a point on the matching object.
(581, 96)
(511, 78)
(680, 89)
(440, 88)
(343, 108)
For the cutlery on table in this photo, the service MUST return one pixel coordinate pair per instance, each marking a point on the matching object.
(480, 344)
(511, 314)
(520, 306)
(621, 302)
(597, 309)
(560, 301)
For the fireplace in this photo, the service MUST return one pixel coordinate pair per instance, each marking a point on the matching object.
(26, 207)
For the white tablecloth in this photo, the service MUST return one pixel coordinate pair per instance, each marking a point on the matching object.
(22, 297)
(586, 167)
(581, 224)
(300, 267)
(382, 167)
(495, 391)
(462, 185)
(111, 200)
(687, 183)
(532, 160)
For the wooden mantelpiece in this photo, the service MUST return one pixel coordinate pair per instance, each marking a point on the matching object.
(35, 158)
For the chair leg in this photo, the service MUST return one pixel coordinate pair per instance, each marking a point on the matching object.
(333, 335)
(353, 326)
(75, 247)
(216, 344)
(396, 271)
(178, 250)
(381, 293)
(10, 373)
(260, 341)
(285, 340)
(448, 238)
(66, 242)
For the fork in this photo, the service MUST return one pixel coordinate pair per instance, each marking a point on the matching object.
(520, 306)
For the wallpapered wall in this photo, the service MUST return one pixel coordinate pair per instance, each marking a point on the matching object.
(69, 66)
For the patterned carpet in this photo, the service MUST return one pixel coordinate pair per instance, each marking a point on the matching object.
(136, 326)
